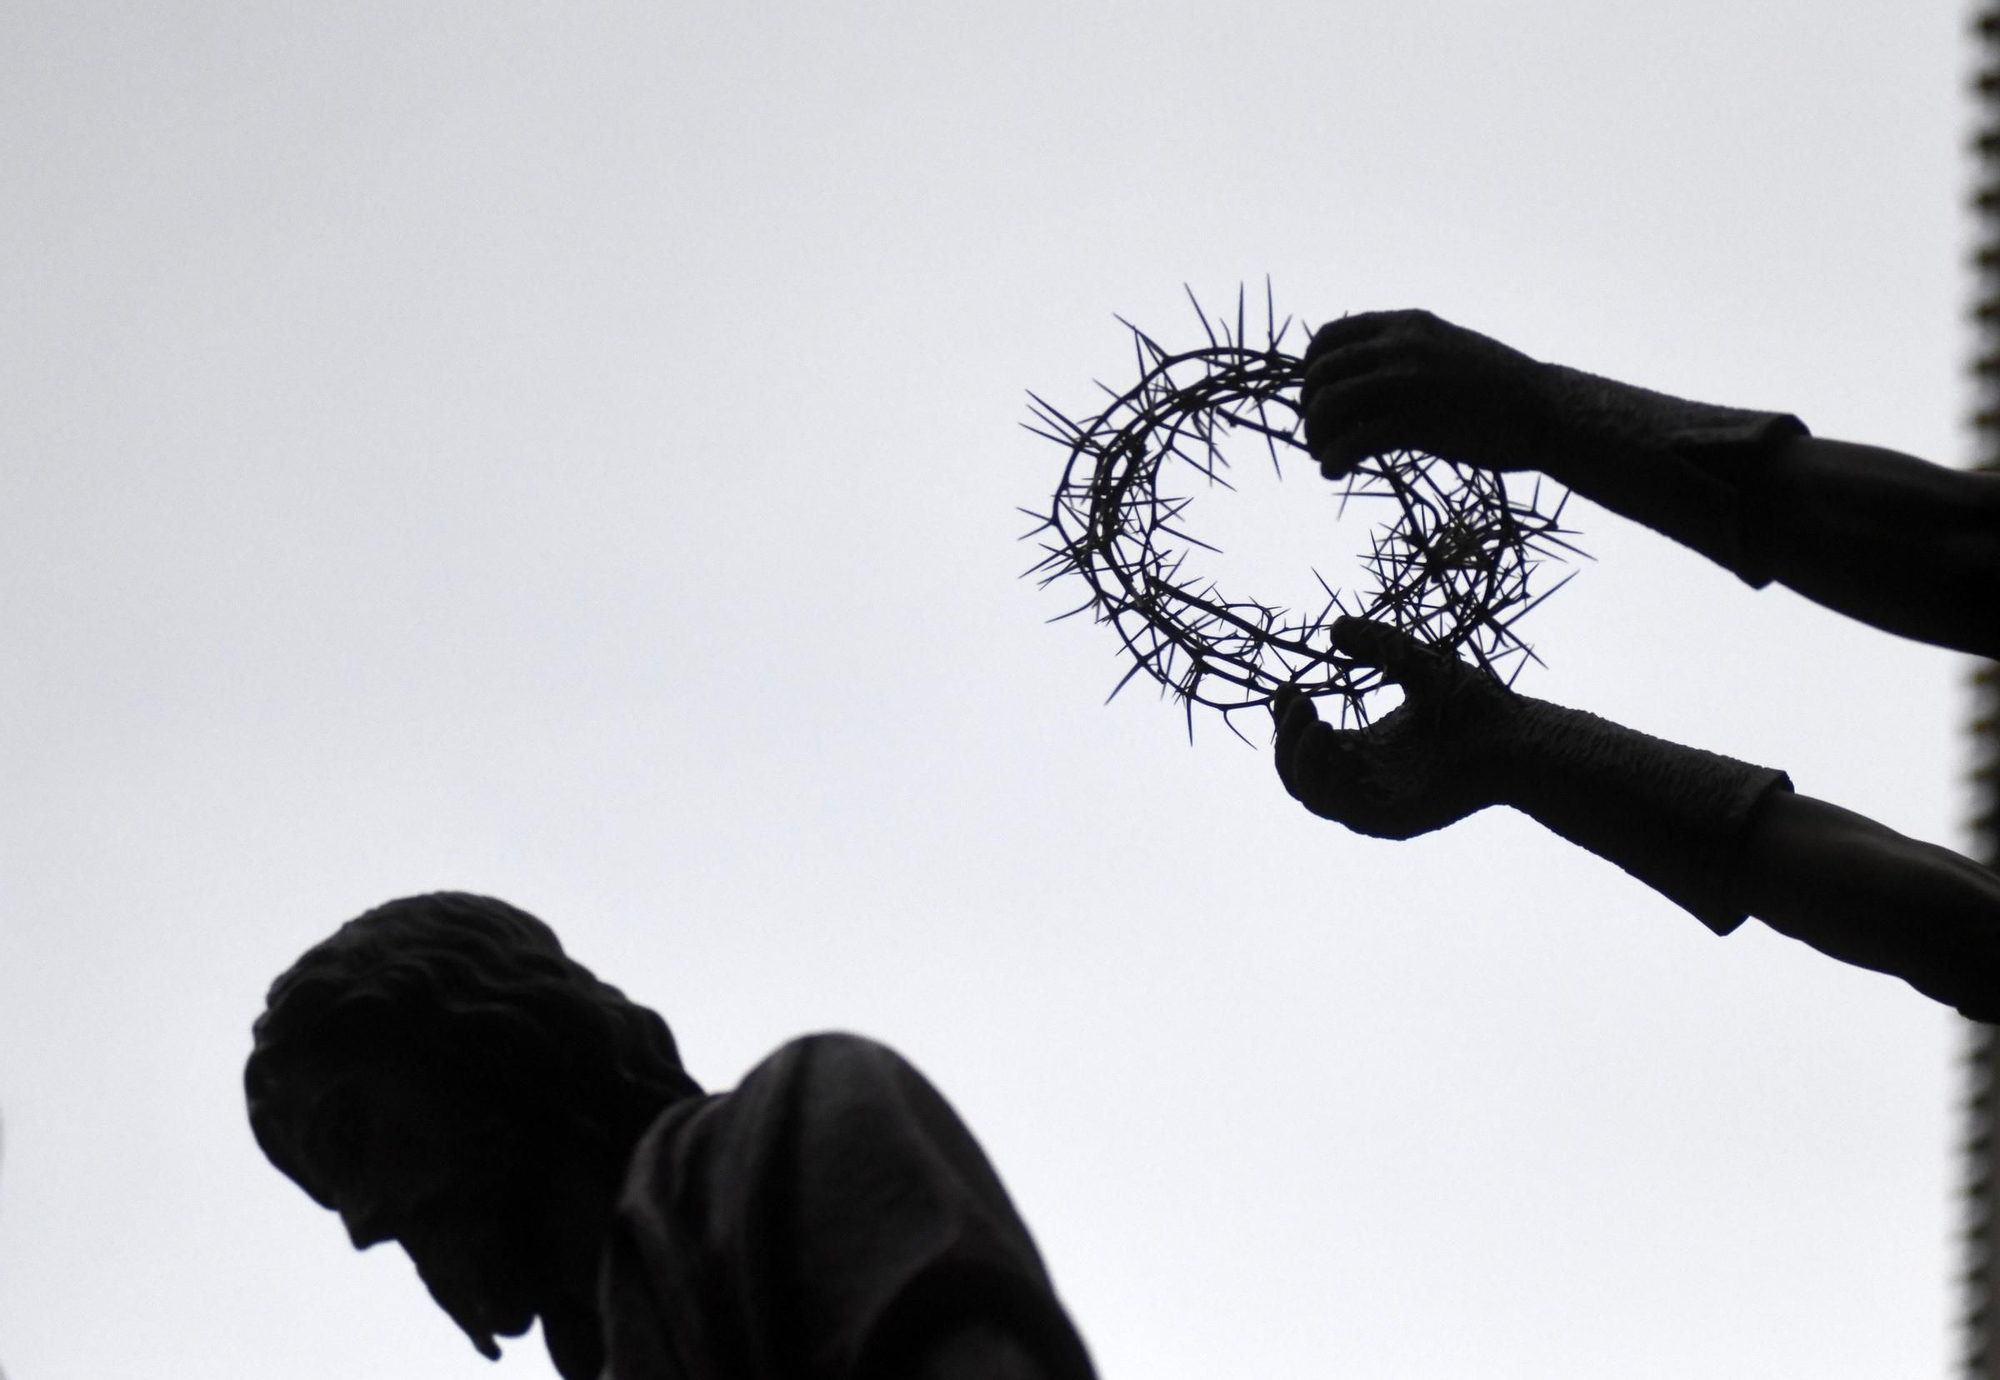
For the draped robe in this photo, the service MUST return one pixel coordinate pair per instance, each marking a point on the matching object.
(829, 1218)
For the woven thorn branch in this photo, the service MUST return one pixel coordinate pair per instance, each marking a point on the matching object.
(1451, 568)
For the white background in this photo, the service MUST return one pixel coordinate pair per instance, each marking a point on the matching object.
(570, 451)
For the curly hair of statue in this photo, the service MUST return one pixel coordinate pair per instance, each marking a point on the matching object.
(1451, 569)
(476, 992)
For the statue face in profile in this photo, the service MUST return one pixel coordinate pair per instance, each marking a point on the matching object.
(441, 1074)
(400, 1157)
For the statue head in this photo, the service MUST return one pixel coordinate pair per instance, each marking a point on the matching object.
(439, 1072)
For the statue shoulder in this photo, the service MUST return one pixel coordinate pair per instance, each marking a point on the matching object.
(818, 1069)
(833, 1052)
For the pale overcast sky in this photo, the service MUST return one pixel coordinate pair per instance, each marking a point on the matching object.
(571, 452)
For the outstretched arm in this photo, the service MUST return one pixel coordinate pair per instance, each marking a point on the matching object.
(1721, 838)
(1865, 894)
(1910, 547)
(1904, 545)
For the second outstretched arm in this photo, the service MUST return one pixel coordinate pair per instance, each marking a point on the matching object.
(1723, 839)
(1897, 542)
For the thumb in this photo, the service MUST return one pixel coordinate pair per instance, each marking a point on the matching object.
(1296, 720)
(1288, 700)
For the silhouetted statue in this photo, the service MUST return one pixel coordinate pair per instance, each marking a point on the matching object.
(1910, 547)
(440, 1073)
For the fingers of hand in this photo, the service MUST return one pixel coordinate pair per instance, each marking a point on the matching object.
(1366, 325)
(1354, 418)
(1339, 365)
(1348, 450)
(1347, 330)
(1408, 380)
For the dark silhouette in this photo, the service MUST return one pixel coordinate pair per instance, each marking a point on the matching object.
(440, 1073)
(1907, 546)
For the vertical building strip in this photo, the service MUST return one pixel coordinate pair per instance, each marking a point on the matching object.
(1982, 1070)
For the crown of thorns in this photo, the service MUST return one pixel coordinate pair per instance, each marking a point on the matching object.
(1452, 569)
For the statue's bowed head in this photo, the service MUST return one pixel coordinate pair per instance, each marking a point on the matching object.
(440, 1073)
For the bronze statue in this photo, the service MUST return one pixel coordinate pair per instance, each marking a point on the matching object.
(440, 1073)
(1907, 546)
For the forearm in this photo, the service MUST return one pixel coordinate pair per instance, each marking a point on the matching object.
(1726, 840)
(1867, 895)
(1907, 546)
(1674, 817)
(1674, 465)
